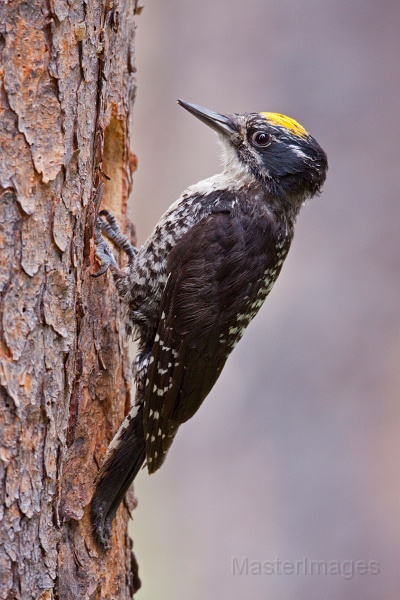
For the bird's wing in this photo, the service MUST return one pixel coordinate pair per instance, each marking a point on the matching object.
(215, 273)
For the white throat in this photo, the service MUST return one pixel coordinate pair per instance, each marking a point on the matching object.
(235, 175)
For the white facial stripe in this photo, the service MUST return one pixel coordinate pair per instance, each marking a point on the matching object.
(297, 151)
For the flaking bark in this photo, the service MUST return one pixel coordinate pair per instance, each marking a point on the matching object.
(67, 83)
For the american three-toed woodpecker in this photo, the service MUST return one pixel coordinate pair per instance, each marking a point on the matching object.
(199, 279)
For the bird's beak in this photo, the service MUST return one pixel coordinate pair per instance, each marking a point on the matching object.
(220, 123)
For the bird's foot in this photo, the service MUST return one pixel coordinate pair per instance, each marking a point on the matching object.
(103, 252)
(113, 232)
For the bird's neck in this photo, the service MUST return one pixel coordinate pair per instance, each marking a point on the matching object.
(283, 202)
(282, 199)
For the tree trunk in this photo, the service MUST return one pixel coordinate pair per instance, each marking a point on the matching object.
(67, 86)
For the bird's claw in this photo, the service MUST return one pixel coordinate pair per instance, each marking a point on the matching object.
(103, 251)
(110, 227)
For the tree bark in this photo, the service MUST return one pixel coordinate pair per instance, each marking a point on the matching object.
(67, 83)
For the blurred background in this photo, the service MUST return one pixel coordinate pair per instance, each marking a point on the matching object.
(295, 454)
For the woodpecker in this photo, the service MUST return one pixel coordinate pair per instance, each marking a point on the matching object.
(197, 282)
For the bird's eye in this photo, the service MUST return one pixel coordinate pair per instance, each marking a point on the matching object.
(260, 139)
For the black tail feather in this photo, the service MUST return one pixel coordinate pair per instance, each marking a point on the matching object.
(126, 456)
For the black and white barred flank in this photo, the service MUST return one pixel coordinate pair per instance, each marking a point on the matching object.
(191, 291)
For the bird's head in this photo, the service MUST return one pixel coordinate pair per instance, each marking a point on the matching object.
(272, 148)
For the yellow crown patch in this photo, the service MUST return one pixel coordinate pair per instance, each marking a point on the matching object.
(287, 122)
